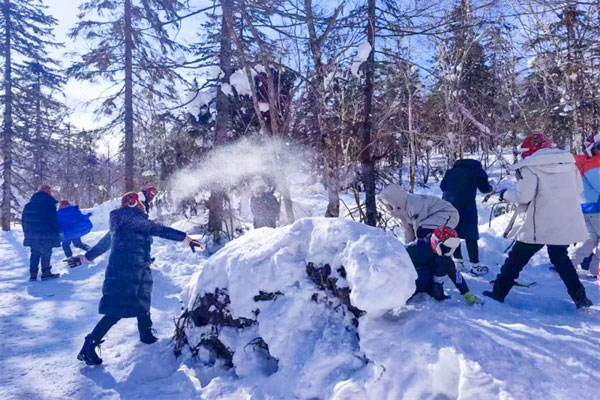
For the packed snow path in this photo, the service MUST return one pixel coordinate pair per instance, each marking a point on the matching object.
(536, 345)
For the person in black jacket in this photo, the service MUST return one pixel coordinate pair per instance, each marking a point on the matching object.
(264, 205)
(460, 185)
(127, 288)
(41, 231)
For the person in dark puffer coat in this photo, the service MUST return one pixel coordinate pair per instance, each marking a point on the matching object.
(41, 231)
(265, 207)
(74, 225)
(460, 185)
(127, 288)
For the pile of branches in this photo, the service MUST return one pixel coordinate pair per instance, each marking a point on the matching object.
(321, 276)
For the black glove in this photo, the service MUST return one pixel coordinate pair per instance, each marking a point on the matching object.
(501, 194)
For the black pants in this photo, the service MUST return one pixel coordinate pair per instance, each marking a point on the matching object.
(441, 266)
(77, 243)
(107, 322)
(38, 254)
(520, 255)
(472, 250)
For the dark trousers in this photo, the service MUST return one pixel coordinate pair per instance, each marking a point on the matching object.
(472, 250)
(77, 243)
(107, 322)
(38, 254)
(442, 266)
(520, 255)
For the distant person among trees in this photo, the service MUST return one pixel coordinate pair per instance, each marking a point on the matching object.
(589, 167)
(548, 214)
(264, 205)
(127, 288)
(41, 231)
(460, 185)
(74, 225)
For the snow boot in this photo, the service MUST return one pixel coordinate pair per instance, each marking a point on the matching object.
(492, 295)
(47, 274)
(437, 292)
(33, 276)
(88, 351)
(147, 336)
(479, 270)
(580, 299)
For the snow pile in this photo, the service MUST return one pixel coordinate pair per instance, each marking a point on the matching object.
(284, 327)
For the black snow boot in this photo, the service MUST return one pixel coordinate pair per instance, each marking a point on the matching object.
(33, 276)
(492, 295)
(437, 292)
(147, 336)
(88, 351)
(580, 299)
(47, 274)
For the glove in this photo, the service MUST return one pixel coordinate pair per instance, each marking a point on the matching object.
(471, 299)
(193, 243)
(501, 194)
(76, 261)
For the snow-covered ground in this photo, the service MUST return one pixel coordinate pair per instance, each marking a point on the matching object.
(535, 346)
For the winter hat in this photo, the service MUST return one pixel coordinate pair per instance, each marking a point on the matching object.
(533, 143)
(444, 240)
(592, 142)
(258, 185)
(46, 189)
(63, 203)
(131, 199)
(393, 197)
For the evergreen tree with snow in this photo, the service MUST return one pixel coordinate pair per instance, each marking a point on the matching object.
(30, 80)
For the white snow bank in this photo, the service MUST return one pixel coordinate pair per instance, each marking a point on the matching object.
(313, 340)
(363, 52)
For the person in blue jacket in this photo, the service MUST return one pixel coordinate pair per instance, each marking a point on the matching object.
(127, 288)
(460, 185)
(74, 225)
(41, 231)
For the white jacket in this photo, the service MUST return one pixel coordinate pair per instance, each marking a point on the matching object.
(418, 211)
(548, 197)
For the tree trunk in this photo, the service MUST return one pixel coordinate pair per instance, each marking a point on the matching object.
(7, 126)
(39, 148)
(129, 183)
(218, 196)
(368, 165)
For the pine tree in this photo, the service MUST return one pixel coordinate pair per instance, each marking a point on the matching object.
(26, 35)
(133, 50)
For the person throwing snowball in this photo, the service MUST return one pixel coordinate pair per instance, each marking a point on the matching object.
(127, 288)
(548, 214)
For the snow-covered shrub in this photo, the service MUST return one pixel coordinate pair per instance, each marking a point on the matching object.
(286, 302)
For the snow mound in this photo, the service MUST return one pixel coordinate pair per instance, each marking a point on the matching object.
(294, 329)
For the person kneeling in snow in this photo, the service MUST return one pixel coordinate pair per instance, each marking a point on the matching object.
(74, 225)
(548, 214)
(431, 257)
(127, 288)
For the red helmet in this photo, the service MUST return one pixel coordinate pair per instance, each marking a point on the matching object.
(63, 203)
(444, 240)
(131, 199)
(533, 143)
(46, 189)
(150, 193)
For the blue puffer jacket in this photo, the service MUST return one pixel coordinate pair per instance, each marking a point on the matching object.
(73, 223)
(40, 224)
(127, 288)
(460, 186)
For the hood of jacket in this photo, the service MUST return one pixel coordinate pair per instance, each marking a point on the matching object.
(467, 163)
(43, 198)
(550, 161)
(395, 195)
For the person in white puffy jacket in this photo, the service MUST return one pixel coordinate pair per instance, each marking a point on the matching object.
(420, 214)
(548, 214)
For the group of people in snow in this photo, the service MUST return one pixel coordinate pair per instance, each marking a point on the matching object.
(45, 227)
(549, 214)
